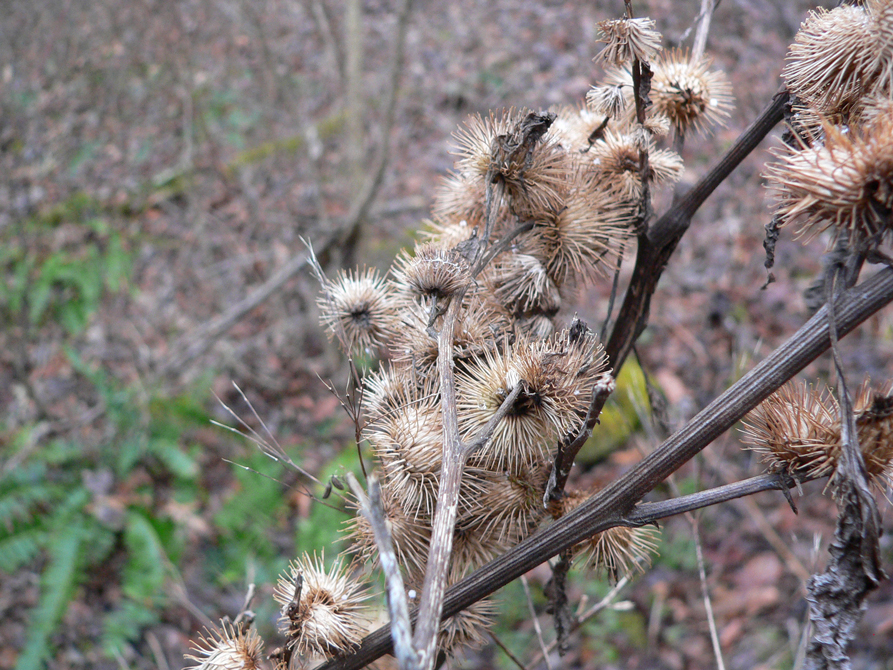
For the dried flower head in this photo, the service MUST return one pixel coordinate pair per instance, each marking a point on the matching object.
(502, 505)
(524, 435)
(880, 13)
(322, 611)
(520, 282)
(447, 233)
(830, 58)
(432, 273)
(393, 388)
(409, 446)
(609, 100)
(627, 40)
(462, 197)
(514, 152)
(617, 551)
(873, 410)
(357, 308)
(230, 648)
(846, 184)
(576, 128)
(794, 430)
(585, 237)
(483, 322)
(688, 93)
(615, 165)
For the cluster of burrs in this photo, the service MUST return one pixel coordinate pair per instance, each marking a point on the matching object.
(539, 206)
(837, 172)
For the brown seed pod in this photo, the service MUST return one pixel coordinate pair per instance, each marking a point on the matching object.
(615, 165)
(874, 426)
(689, 94)
(409, 446)
(628, 39)
(524, 435)
(518, 280)
(617, 551)
(392, 389)
(584, 239)
(467, 629)
(795, 430)
(322, 611)
(482, 323)
(230, 648)
(509, 150)
(610, 100)
(461, 197)
(846, 184)
(357, 308)
(575, 128)
(830, 58)
(504, 506)
(447, 233)
(880, 13)
(431, 274)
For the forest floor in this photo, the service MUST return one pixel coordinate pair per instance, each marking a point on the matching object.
(162, 161)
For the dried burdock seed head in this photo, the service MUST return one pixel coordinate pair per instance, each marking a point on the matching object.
(618, 551)
(846, 184)
(512, 151)
(576, 128)
(688, 93)
(795, 430)
(505, 506)
(830, 58)
(584, 239)
(615, 165)
(461, 197)
(609, 100)
(579, 363)
(524, 435)
(483, 322)
(409, 535)
(881, 27)
(230, 648)
(467, 629)
(874, 426)
(627, 39)
(520, 282)
(322, 611)
(534, 326)
(430, 274)
(357, 308)
(392, 389)
(409, 446)
(875, 110)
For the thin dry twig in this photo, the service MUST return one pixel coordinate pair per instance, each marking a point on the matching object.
(536, 622)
